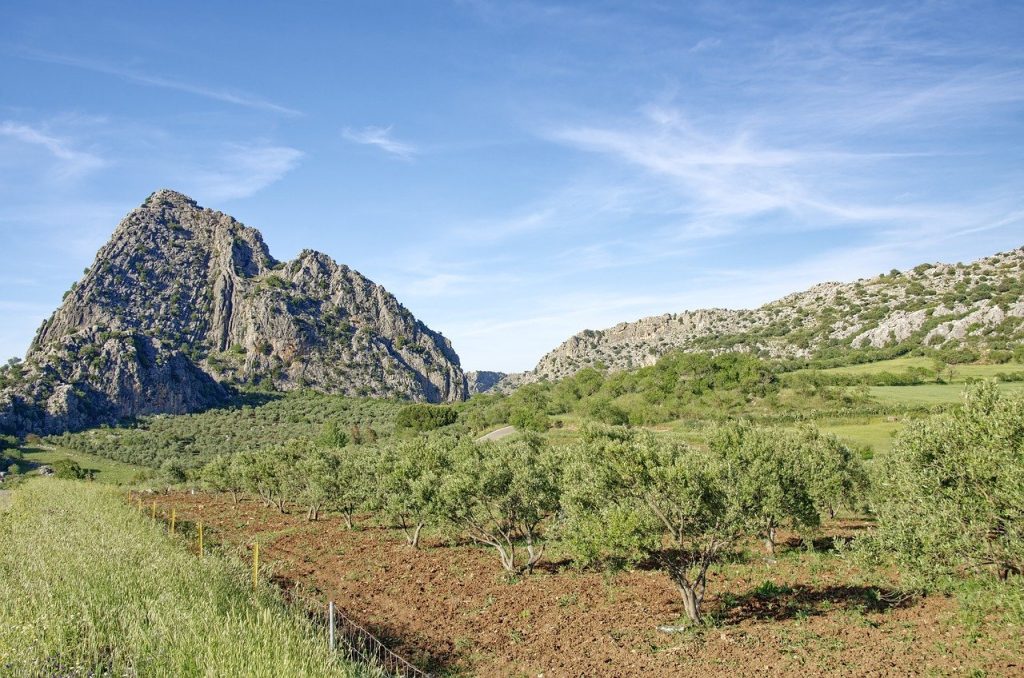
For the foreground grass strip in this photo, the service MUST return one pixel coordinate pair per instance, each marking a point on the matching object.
(91, 587)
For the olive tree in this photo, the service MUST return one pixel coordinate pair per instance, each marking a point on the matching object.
(409, 477)
(502, 494)
(316, 476)
(222, 475)
(272, 473)
(769, 474)
(835, 474)
(352, 483)
(949, 496)
(632, 496)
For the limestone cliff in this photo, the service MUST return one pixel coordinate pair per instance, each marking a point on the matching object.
(184, 301)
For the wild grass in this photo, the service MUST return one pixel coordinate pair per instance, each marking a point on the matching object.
(91, 587)
(104, 470)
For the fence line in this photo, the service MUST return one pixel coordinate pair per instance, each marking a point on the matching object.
(356, 642)
(362, 645)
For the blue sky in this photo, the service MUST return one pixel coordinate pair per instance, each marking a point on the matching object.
(518, 171)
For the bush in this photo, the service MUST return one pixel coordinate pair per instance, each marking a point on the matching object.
(950, 495)
(421, 417)
(67, 469)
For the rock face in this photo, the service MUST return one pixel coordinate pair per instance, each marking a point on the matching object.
(979, 306)
(482, 381)
(185, 301)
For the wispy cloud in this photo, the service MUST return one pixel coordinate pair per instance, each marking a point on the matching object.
(71, 161)
(242, 170)
(381, 138)
(726, 178)
(141, 78)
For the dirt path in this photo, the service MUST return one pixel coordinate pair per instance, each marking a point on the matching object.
(498, 434)
(448, 607)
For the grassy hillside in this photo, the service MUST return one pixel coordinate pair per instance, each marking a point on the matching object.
(93, 588)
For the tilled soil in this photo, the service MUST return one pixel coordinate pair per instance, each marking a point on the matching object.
(447, 607)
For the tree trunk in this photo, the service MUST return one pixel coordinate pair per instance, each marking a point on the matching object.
(691, 603)
(414, 538)
(348, 520)
(234, 496)
(769, 541)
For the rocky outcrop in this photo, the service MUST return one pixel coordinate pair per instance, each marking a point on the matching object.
(185, 302)
(482, 381)
(978, 305)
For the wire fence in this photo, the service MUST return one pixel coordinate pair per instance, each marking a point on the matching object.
(361, 645)
(343, 633)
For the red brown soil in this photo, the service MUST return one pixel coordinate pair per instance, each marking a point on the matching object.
(448, 608)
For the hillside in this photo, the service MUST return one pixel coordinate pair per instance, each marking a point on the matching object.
(976, 307)
(185, 302)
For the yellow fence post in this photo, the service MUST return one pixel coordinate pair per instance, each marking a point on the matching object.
(173, 517)
(200, 539)
(255, 564)
(152, 511)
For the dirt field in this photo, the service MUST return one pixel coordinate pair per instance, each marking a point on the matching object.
(448, 608)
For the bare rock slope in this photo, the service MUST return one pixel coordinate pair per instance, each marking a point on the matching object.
(185, 301)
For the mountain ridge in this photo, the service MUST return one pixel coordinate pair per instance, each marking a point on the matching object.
(977, 306)
(189, 296)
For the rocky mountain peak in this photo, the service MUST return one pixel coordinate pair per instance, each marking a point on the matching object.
(194, 287)
(166, 197)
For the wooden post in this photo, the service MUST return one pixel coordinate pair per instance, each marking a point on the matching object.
(255, 564)
(173, 517)
(152, 512)
(201, 539)
(330, 625)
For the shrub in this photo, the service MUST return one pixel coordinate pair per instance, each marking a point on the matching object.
(67, 469)
(420, 417)
(949, 496)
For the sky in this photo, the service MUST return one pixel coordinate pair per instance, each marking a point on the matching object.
(516, 172)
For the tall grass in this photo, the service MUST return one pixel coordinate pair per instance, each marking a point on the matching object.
(90, 587)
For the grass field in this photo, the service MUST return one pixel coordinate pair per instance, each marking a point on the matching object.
(894, 365)
(960, 373)
(91, 587)
(106, 470)
(877, 433)
(929, 394)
